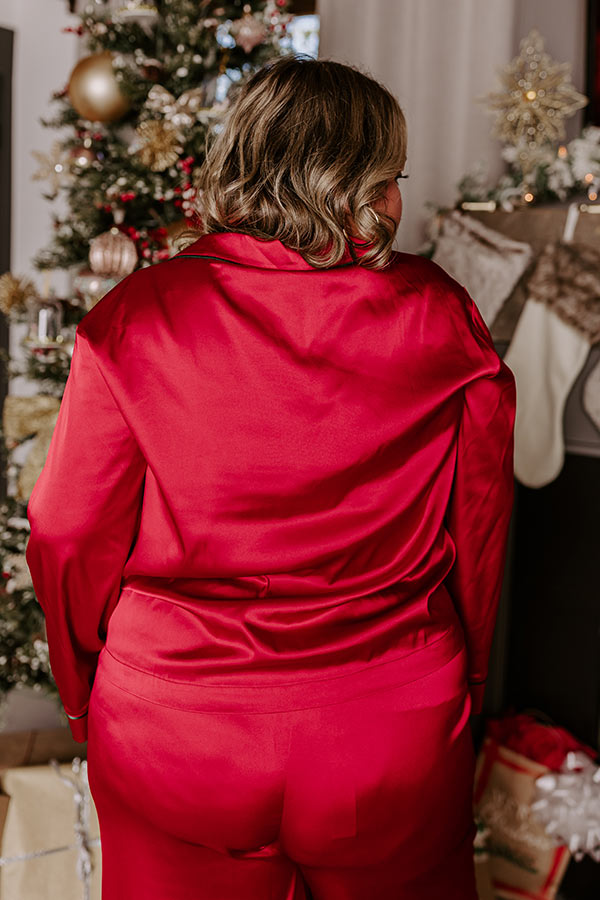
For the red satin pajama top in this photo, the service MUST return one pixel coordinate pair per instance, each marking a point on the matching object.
(285, 471)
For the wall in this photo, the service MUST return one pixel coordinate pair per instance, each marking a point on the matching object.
(44, 58)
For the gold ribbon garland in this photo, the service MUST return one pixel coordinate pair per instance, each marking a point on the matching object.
(23, 416)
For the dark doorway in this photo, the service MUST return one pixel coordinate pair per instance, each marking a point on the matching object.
(591, 113)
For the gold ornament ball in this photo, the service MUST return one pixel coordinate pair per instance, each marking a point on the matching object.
(94, 91)
(113, 253)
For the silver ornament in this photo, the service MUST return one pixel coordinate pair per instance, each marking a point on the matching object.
(113, 253)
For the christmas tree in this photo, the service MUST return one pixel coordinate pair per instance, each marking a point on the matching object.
(139, 109)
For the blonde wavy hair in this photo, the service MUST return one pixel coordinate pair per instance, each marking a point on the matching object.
(306, 148)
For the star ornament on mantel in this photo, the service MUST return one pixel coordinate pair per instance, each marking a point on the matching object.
(538, 96)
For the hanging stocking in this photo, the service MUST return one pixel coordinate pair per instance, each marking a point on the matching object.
(488, 264)
(546, 356)
(559, 323)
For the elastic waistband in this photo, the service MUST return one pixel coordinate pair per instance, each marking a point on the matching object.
(279, 697)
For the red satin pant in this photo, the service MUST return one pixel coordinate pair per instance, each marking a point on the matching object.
(362, 791)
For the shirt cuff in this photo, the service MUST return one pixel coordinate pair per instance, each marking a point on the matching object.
(78, 726)
(477, 691)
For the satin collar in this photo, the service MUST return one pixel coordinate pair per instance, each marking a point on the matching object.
(243, 249)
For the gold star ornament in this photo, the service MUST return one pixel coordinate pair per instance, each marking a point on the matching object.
(15, 293)
(538, 96)
(53, 166)
(158, 144)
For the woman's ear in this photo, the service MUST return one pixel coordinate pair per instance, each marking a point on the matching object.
(391, 202)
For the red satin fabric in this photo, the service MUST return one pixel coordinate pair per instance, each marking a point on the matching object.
(270, 473)
(219, 795)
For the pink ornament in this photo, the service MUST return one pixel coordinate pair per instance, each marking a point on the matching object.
(248, 32)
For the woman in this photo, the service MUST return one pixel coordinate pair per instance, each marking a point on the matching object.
(270, 532)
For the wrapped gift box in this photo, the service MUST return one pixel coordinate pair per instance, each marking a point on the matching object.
(49, 832)
(525, 861)
(483, 879)
(483, 871)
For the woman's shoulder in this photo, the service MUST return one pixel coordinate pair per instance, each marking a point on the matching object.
(426, 276)
(114, 311)
(444, 299)
(434, 285)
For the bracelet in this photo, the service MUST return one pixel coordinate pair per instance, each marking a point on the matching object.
(76, 717)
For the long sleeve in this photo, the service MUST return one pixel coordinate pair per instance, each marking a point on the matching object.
(83, 512)
(478, 515)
